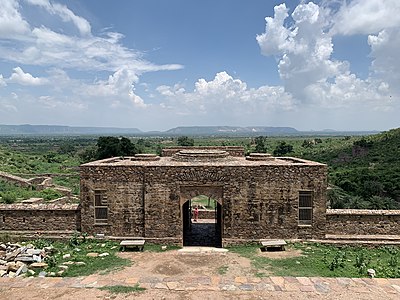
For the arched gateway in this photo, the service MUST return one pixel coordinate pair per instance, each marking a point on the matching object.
(257, 197)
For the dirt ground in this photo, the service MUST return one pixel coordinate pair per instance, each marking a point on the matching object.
(174, 264)
(171, 263)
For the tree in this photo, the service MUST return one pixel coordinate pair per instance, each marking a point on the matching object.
(307, 144)
(283, 149)
(356, 202)
(110, 146)
(66, 148)
(87, 154)
(378, 202)
(185, 141)
(261, 146)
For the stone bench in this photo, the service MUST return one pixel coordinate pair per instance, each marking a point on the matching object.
(135, 244)
(275, 244)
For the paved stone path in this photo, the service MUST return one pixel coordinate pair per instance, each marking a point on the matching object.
(386, 288)
(203, 232)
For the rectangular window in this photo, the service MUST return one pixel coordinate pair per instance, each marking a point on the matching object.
(100, 207)
(305, 207)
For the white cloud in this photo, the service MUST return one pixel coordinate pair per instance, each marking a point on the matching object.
(349, 91)
(384, 51)
(43, 46)
(120, 85)
(225, 96)
(20, 77)
(367, 16)
(2, 81)
(304, 51)
(65, 14)
(12, 24)
(52, 102)
(7, 106)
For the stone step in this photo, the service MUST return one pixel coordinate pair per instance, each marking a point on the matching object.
(202, 250)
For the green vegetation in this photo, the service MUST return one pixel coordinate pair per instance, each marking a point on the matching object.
(364, 172)
(261, 144)
(110, 146)
(122, 289)
(78, 248)
(222, 270)
(185, 141)
(326, 261)
(367, 168)
(282, 149)
(205, 201)
(10, 193)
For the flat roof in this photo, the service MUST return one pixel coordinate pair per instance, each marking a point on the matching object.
(155, 161)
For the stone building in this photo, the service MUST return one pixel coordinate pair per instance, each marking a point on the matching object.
(257, 197)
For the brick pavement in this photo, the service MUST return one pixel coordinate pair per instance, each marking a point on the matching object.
(387, 288)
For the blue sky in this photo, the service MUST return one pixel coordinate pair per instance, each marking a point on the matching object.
(154, 65)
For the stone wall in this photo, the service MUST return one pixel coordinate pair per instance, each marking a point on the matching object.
(362, 222)
(15, 179)
(39, 217)
(235, 151)
(258, 201)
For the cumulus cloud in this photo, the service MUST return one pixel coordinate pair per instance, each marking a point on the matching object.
(305, 64)
(384, 51)
(303, 51)
(20, 77)
(119, 85)
(223, 96)
(367, 16)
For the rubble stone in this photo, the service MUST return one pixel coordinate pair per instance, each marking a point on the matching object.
(37, 265)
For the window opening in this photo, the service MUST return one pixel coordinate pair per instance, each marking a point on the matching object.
(100, 207)
(305, 207)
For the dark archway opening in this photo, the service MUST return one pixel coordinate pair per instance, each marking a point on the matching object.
(206, 230)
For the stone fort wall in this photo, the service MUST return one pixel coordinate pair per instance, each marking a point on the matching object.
(39, 217)
(362, 222)
(50, 218)
(257, 201)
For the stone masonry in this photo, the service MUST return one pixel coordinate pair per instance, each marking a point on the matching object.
(259, 195)
(39, 217)
(363, 222)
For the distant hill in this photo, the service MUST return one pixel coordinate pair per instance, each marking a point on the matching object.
(231, 130)
(63, 130)
(28, 129)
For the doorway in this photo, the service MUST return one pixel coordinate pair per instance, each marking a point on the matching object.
(203, 228)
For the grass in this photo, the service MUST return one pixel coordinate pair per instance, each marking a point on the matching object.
(78, 253)
(326, 261)
(222, 270)
(10, 193)
(78, 248)
(157, 248)
(122, 289)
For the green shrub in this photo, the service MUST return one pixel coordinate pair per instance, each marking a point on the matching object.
(9, 197)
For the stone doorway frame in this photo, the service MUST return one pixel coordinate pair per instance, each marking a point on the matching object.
(188, 192)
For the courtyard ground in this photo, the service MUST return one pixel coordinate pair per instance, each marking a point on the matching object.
(198, 274)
